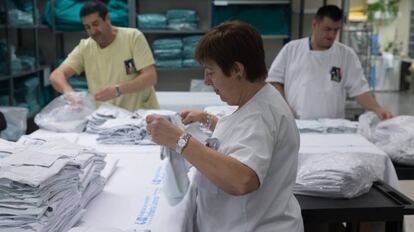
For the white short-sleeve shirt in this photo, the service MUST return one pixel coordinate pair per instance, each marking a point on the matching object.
(316, 83)
(262, 134)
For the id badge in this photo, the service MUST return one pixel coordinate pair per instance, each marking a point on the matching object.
(336, 74)
(130, 66)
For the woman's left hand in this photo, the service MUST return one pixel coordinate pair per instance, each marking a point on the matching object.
(162, 131)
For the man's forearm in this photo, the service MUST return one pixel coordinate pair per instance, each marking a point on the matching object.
(367, 101)
(145, 79)
(59, 82)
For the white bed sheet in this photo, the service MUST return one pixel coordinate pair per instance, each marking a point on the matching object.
(325, 143)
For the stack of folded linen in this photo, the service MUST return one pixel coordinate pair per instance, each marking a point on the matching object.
(309, 126)
(189, 45)
(327, 125)
(168, 52)
(339, 125)
(124, 131)
(7, 148)
(182, 19)
(45, 186)
(115, 125)
(102, 114)
(118, 126)
(152, 21)
(337, 174)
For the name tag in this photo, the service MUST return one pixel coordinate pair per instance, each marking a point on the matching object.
(130, 66)
(336, 74)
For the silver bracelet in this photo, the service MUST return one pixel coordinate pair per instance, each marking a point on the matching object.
(209, 121)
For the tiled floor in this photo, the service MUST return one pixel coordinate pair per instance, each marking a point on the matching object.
(400, 104)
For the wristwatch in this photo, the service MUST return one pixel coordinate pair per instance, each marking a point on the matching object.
(182, 142)
(117, 91)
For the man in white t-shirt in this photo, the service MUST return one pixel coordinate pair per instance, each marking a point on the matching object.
(315, 74)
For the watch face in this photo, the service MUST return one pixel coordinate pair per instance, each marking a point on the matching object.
(181, 142)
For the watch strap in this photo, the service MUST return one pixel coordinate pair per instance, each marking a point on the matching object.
(182, 142)
(117, 91)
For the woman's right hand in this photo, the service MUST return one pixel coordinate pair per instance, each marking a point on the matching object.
(190, 116)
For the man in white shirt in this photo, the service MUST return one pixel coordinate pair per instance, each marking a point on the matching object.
(315, 74)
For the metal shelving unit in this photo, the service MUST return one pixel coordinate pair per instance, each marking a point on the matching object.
(357, 35)
(13, 35)
(169, 77)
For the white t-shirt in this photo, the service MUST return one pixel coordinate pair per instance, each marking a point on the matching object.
(316, 83)
(263, 135)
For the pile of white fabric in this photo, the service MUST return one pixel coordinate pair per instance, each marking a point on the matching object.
(7, 148)
(327, 125)
(45, 185)
(115, 125)
(336, 174)
(104, 113)
(309, 126)
(394, 136)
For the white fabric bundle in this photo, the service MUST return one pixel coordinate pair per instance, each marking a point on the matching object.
(309, 126)
(327, 125)
(336, 175)
(394, 136)
(115, 125)
(47, 184)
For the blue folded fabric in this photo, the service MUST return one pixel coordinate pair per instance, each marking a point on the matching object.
(67, 13)
(152, 21)
(182, 14)
(164, 54)
(177, 63)
(171, 43)
(190, 63)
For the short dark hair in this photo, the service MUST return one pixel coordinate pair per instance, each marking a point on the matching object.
(94, 6)
(331, 11)
(230, 42)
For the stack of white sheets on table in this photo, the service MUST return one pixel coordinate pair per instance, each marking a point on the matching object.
(45, 186)
(115, 125)
(325, 125)
(7, 148)
(340, 165)
(336, 174)
(102, 114)
(309, 126)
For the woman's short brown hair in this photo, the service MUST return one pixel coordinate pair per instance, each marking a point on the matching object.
(230, 42)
